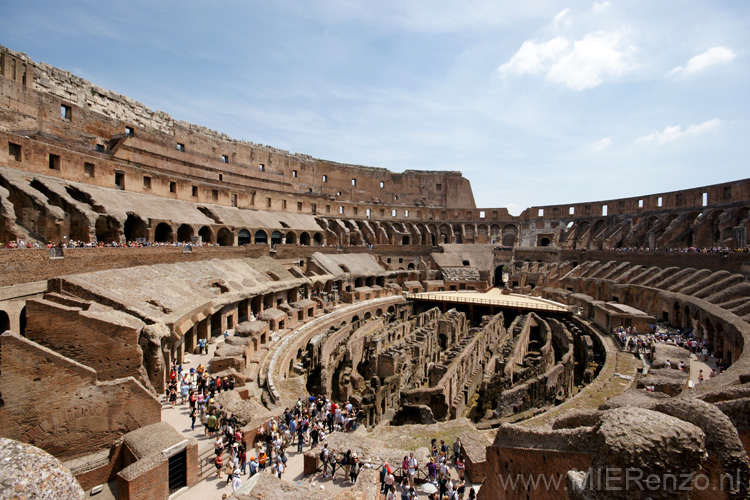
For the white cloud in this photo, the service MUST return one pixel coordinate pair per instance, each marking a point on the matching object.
(533, 57)
(583, 64)
(562, 19)
(595, 57)
(601, 144)
(600, 6)
(711, 57)
(674, 132)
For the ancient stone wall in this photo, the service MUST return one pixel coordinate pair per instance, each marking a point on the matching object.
(714, 304)
(61, 125)
(58, 405)
(109, 347)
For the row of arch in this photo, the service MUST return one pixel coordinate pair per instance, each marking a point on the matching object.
(136, 229)
(718, 227)
(355, 232)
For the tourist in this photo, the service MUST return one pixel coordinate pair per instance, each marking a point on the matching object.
(279, 468)
(391, 495)
(173, 393)
(219, 463)
(389, 483)
(236, 481)
(404, 488)
(184, 388)
(461, 489)
(348, 464)
(324, 459)
(412, 469)
(456, 449)
(442, 483)
(242, 458)
(354, 471)
(432, 469)
(229, 470)
(218, 445)
(460, 465)
(332, 462)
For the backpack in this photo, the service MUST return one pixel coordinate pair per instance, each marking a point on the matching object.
(324, 454)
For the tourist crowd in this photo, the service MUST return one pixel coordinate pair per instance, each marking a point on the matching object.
(630, 339)
(306, 424)
(100, 244)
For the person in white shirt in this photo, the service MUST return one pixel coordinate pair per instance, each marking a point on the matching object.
(236, 480)
(412, 469)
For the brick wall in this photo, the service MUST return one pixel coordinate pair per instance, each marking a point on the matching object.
(56, 404)
(507, 464)
(109, 348)
(153, 484)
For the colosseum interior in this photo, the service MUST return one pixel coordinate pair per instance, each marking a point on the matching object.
(146, 237)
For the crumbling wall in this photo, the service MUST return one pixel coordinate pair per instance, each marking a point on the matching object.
(57, 404)
(109, 347)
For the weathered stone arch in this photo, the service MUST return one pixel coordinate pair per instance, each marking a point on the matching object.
(509, 234)
(4, 321)
(276, 238)
(107, 229)
(206, 234)
(224, 237)
(261, 238)
(135, 228)
(185, 233)
(244, 237)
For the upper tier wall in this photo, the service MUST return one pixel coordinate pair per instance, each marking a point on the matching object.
(62, 125)
(55, 101)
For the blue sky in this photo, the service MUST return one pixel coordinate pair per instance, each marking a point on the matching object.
(536, 102)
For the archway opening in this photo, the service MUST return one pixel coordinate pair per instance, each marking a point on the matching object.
(544, 242)
(207, 236)
(244, 237)
(22, 322)
(224, 237)
(4, 321)
(261, 238)
(318, 239)
(405, 240)
(499, 281)
(185, 233)
(135, 228)
(107, 229)
(304, 239)
(276, 238)
(163, 233)
(291, 238)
